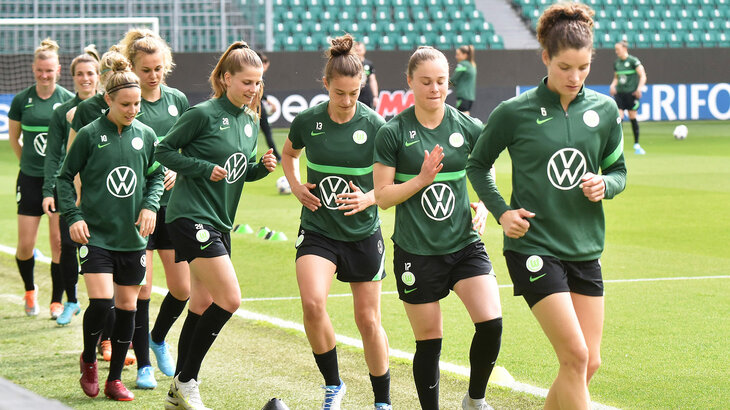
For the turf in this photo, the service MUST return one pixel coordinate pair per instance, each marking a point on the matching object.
(664, 341)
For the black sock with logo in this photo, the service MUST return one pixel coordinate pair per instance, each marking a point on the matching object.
(140, 340)
(121, 338)
(186, 338)
(635, 128)
(26, 272)
(56, 283)
(426, 372)
(93, 323)
(170, 310)
(210, 324)
(328, 366)
(483, 354)
(69, 271)
(381, 387)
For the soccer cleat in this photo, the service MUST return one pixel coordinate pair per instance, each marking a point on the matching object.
(638, 150)
(105, 349)
(333, 396)
(146, 378)
(89, 378)
(70, 309)
(115, 390)
(56, 310)
(187, 395)
(163, 356)
(31, 302)
(474, 404)
(131, 358)
(383, 406)
(171, 402)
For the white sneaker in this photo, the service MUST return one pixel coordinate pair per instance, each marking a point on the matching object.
(638, 150)
(474, 404)
(184, 396)
(333, 396)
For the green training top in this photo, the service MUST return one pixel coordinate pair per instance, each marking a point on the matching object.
(437, 219)
(116, 182)
(214, 132)
(161, 115)
(34, 115)
(465, 81)
(551, 150)
(56, 142)
(89, 110)
(337, 154)
(628, 79)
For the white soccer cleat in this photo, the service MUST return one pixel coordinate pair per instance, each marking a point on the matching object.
(333, 396)
(184, 395)
(474, 404)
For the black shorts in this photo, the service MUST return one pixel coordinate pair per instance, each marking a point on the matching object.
(29, 195)
(358, 261)
(160, 238)
(535, 276)
(128, 268)
(463, 105)
(195, 240)
(429, 278)
(626, 101)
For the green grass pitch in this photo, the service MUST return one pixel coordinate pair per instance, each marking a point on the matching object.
(665, 341)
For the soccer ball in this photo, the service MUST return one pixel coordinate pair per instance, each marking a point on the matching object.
(282, 185)
(680, 132)
(267, 107)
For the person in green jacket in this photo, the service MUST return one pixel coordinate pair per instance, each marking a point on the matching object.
(340, 228)
(629, 79)
(151, 60)
(212, 147)
(420, 157)
(30, 113)
(465, 78)
(85, 72)
(120, 192)
(566, 146)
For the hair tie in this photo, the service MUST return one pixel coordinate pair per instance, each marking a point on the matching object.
(121, 86)
(105, 70)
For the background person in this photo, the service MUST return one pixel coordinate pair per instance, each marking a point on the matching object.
(629, 79)
(465, 78)
(369, 94)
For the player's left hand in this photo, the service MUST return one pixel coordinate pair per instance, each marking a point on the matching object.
(478, 223)
(354, 201)
(269, 160)
(146, 222)
(593, 186)
(170, 178)
(637, 94)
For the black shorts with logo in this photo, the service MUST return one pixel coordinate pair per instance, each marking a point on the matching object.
(463, 105)
(29, 195)
(160, 238)
(357, 261)
(128, 268)
(537, 276)
(626, 101)
(195, 240)
(429, 278)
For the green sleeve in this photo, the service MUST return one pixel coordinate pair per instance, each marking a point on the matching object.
(294, 135)
(74, 162)
(16, 107)
(613, 166)
(386, 148)
(495, 137)
(54, 151)
(154, 186)
(256, 170)
(459, 72)
(185, 130)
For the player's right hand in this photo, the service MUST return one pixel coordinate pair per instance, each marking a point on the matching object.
(431, 164)
(79, 232)
(49, 205)
(305, 196)
(515, 222)
(218, 174)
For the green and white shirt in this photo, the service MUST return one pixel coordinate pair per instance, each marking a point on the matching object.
(116, 182)
(336, 155)
(437, 219)
(628, 79)
(34, 115)
(161, 115)
(551, 150)
(89, 110)
(56, 142)
(214, 132)
(465, 81)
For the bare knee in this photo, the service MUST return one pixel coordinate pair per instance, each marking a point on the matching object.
(575, 359)
(368, 323)
(593, 364)
(230, 303)
(314, 309)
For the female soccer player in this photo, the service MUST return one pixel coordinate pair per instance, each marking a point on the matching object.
(161, 106)
(420, 157)
(213, 147)
(120, 190)
(465, 78)
(629, 78)
(85, 72)
(29, 114)
(558, 135)
(264, 121)
(340, 228)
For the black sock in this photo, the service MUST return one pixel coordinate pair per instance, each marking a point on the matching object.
(210, 324)
(381, 387)
(121, 338)
(26, 272)
(57, 285)
(93, 323)
(170, 310)
(69, 271)
(483, 354)
(186, 337)
(327, 363)
(140, 340)
(109, 324)
(635, 128)
(426, 372)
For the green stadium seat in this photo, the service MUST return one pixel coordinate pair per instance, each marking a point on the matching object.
(709, 39)
(387, 43)
(674, 41)
(691, 40)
